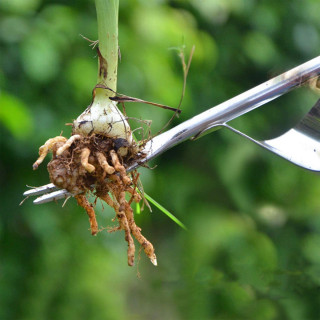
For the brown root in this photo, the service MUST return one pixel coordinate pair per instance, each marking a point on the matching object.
(135, 196)
(124, 225)
(43, 150)
(136, 231)
(119, 167)
(81, 164)
(104, 163)
(107, 199)
(84, 203)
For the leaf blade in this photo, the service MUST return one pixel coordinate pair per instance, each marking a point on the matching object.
(165, 211)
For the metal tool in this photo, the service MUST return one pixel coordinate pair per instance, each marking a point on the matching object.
(300, 145)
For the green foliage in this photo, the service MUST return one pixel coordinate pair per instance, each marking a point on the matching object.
(252, 246)
(165, 211)
(15, 116)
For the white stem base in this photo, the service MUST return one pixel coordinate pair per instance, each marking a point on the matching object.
(103, 117)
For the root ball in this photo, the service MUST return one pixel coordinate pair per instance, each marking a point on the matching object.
(83, 164)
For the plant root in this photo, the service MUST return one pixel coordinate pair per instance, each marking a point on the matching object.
(136, 231)
(84, 203)
(43, 150)
(104, 163)
(68, 144)
(85, 153)
(98, 164)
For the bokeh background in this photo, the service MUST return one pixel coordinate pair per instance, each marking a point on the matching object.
(252, 249)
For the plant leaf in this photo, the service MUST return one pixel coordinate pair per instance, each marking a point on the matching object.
(138, 208)
(165, 211)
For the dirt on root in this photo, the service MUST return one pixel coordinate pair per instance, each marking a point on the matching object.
(98, 164)
(67, 172)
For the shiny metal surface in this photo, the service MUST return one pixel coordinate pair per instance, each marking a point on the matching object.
(300, 145)
(47, 193)
(233, 108)
(40, 190)
(219, 116)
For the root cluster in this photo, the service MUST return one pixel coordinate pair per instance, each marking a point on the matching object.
(98, 164)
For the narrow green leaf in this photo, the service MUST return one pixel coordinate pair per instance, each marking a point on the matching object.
(165, 211)
(138, 209)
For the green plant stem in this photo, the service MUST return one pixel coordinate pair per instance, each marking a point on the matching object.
(107, 16)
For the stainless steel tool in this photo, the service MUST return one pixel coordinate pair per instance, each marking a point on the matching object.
(300, 145)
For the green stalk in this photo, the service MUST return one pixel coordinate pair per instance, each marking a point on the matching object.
(107, 16)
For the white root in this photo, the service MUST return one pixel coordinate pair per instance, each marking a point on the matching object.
(85, 153)
(43, 150)
(72, 171)
(119, 167)
(68, 144)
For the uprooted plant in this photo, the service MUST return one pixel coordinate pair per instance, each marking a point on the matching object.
(96, 163)
(95, 157)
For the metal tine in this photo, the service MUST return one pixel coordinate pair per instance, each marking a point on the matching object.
(215, 117)
(53, 196)
(36, 191)
(299, 145)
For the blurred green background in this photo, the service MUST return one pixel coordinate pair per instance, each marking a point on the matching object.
(252, 250)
